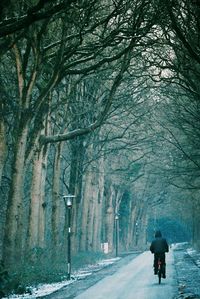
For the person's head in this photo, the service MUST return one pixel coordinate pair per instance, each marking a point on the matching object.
(158, 234)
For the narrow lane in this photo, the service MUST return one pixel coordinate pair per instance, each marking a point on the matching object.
(135, 281)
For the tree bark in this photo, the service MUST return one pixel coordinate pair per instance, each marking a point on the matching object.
(75, 188)
(98, 221)
(43, 202)
(38, 205)
(110, 219)
(14, 217)
(35, 204)
(130, 227)
(56, 200)
(84, 210)
(3, 148)
(92, 206)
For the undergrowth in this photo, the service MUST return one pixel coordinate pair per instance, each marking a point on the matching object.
(41, 268)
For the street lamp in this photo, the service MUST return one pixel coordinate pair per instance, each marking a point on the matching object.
(68, 204)
(116, 233)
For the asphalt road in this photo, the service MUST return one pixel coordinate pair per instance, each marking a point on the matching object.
(135, 281)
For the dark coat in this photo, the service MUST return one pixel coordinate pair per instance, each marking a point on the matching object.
(159, 245)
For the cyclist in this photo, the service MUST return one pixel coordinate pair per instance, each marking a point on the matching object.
(159, 246)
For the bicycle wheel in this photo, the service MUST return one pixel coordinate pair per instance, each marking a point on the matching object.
(159, 276)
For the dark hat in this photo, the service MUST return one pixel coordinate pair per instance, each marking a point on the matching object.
(158, 234)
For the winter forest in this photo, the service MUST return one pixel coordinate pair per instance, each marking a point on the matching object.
(99, 99)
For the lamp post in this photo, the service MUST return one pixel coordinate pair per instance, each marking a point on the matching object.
(116, 233)
(68, 205)
(136, 233)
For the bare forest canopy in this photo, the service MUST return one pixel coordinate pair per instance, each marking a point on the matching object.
(99, 99)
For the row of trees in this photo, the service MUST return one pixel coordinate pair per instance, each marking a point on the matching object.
(98, 99)
(181, 122)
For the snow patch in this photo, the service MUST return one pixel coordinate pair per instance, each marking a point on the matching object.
(42, 290)
(108, 261)
(195, 255)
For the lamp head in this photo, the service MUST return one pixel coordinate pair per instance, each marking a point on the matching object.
(68, 200)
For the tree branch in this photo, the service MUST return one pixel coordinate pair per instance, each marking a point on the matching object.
(15, 24)
(102, 116)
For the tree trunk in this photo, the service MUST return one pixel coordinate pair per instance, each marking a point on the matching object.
(131, 222)
(3, 149)
(14, 217)
(142, 223)
(38, 204)
(85, 209)
(35, 204)
(56, 201)
(109, 221)
(92, 208)
(43, 203)
(99, 208)
(75, 187)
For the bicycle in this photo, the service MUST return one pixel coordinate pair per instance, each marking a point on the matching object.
(159, 270)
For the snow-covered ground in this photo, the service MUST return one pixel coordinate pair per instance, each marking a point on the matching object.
(46, 289)
(187, 265)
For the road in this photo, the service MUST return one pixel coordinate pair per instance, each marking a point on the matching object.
(135, 281)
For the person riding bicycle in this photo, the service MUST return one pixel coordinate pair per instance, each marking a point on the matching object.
(159, 246)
